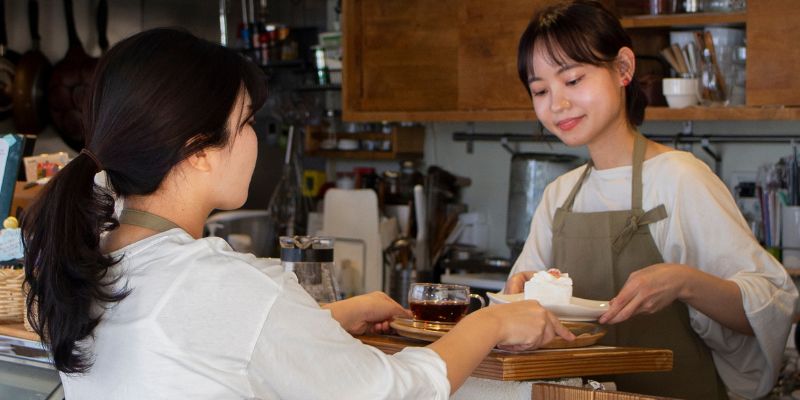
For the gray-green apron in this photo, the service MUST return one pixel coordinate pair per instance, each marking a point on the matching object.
(145, 220)
(599, 250)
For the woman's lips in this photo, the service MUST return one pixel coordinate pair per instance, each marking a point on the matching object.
(568, 124)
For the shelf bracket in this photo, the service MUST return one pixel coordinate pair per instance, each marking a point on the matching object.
(470, 143)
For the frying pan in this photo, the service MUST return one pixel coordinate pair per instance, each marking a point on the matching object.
(7, 67)
(69, 85)
(30, 82)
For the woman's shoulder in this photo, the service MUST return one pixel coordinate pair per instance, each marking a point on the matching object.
(679, 168)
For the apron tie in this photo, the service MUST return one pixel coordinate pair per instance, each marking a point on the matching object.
(636, 220)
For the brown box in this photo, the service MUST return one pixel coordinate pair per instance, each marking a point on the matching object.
(23, 197)
(547, 391)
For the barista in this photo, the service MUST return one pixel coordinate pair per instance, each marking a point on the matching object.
(649, 227)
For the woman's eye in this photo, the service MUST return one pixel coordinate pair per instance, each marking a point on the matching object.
(538, 92)
(575, 81)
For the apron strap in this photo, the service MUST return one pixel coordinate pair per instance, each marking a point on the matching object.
(639, 146)
(638, 216)
(571, 198)
(558, 219)
(637, 219)
(146, 220)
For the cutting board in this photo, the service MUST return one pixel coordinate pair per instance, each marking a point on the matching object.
(353, 214)
(546, 364)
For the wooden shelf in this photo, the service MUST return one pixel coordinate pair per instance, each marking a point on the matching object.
(406, 142)
(734, 113)
(740, 113)
(684, 20)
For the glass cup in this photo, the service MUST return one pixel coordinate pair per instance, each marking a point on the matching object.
(440, 302)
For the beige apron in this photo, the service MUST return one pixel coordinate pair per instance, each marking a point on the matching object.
(599, 250)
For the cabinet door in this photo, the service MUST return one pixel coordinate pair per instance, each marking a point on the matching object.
(773, 52)
(400, 55)
(487, 54)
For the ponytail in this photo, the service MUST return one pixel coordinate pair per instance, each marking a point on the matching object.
(66, 273)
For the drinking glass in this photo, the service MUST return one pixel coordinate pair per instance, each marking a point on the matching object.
(440, 302)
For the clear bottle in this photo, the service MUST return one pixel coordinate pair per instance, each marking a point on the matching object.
(331, 128)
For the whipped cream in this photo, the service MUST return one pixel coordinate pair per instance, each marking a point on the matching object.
(549, 287)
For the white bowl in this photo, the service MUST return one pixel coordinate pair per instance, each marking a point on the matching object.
(680, 92)
(681, 100)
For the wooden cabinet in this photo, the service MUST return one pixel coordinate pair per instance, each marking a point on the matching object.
(455, 60)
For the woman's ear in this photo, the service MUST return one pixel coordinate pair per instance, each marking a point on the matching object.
(626, 65)
(200, 161)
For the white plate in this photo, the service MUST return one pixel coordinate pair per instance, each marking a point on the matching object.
(578, 310)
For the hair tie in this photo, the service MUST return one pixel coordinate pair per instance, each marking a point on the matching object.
(94, 158)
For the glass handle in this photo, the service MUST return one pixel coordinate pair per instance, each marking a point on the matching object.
(479, 297)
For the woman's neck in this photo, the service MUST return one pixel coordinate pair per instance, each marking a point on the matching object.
(613, 148)
(189, 217)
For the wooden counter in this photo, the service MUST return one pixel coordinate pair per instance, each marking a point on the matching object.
(17, 331)
(545, 364)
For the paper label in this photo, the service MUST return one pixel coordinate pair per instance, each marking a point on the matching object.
(10, 244)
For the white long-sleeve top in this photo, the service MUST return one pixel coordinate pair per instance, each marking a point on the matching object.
(205, 322)
(703, 229)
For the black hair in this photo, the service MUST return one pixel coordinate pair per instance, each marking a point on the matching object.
(157, 98)
(583, 31)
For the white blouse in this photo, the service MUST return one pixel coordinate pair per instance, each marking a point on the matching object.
(704, 229)
(205, 322)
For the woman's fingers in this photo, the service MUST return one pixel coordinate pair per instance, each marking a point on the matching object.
(516, 283)
(625, 311)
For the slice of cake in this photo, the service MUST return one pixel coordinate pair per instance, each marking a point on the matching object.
(549, 287)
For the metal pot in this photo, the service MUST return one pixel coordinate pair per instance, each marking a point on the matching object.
(530, 174)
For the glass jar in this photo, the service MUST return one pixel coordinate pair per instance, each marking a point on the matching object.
(311, 260)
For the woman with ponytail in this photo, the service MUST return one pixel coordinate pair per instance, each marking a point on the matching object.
(646, 226)
(140, 306)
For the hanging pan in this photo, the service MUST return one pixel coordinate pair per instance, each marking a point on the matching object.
(69, 86)
(30, 82)
(8, 61)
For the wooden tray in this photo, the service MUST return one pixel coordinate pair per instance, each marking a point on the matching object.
(553, 363)
(586, 334)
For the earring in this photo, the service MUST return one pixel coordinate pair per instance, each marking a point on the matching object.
(625, 82)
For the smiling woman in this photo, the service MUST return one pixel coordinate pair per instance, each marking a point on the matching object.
(645, 225)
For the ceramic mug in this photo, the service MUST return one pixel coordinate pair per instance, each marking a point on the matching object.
(440, 302)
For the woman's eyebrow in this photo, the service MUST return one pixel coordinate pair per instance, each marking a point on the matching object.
(561, 70)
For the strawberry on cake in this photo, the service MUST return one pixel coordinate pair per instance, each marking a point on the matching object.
(549, 287)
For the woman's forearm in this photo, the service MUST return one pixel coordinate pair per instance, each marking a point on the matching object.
(466, 345)
(719, 299)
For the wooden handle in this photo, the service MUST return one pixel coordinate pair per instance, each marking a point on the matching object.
(667, 54)
(720, 79)
(676, 51)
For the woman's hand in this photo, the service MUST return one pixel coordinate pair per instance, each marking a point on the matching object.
(648, 291)
(366, 313)
(527, 325)
(516, 283)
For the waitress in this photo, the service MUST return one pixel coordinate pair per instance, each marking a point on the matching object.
(649, 227)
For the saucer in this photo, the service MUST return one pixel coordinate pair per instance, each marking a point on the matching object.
(586, 334)
(577, 310)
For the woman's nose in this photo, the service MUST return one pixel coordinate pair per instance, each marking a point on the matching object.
(559, 103)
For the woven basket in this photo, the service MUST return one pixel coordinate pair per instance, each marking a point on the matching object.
(12, 298)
